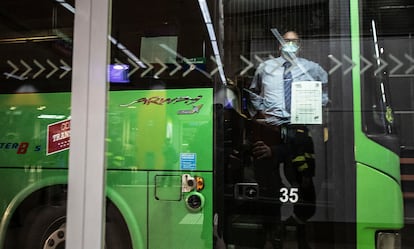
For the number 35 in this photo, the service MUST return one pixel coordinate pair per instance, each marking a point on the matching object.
(289, 195)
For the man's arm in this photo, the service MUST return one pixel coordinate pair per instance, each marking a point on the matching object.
(255, 93)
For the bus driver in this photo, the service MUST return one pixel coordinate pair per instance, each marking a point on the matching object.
(270, 102)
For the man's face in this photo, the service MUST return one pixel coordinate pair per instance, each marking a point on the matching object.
(291, 36)
(291, 45)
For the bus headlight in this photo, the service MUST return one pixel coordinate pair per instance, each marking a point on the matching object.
(388, 240)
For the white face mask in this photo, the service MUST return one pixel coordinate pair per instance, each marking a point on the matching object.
(290, 47)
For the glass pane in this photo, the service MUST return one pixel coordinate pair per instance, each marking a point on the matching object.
(205, 150)
(36, 48)
(289, 174)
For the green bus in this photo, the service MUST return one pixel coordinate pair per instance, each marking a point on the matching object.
(180, 171)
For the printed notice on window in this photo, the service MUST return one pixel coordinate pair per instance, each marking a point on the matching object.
(306, 102)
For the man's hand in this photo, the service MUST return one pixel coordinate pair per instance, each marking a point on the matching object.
(260, 150)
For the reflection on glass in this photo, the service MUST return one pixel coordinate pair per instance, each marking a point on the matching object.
(282, 171)
(36, 46)
(205, 147)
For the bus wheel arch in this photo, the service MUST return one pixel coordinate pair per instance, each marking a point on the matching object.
(45, 221)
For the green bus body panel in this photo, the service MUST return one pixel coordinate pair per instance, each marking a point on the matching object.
(156, 209)
(379, 197)
(153, 130)
(378, 192)
(168, 132)
(24, 123)
(134, 194)
(173, 225)
(367, 151)
(161, 129)
(128, 191)
(379, 205)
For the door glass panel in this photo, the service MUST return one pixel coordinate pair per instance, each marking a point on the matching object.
(197, 93)
(36, 41)
(286, 165)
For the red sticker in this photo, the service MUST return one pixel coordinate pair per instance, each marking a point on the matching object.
(58, 137)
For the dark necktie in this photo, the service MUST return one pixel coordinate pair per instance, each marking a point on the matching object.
(287, 84)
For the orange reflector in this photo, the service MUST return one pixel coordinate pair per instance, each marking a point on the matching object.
(200, 183)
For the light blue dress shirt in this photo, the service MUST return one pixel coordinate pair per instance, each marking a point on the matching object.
(267, 92)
